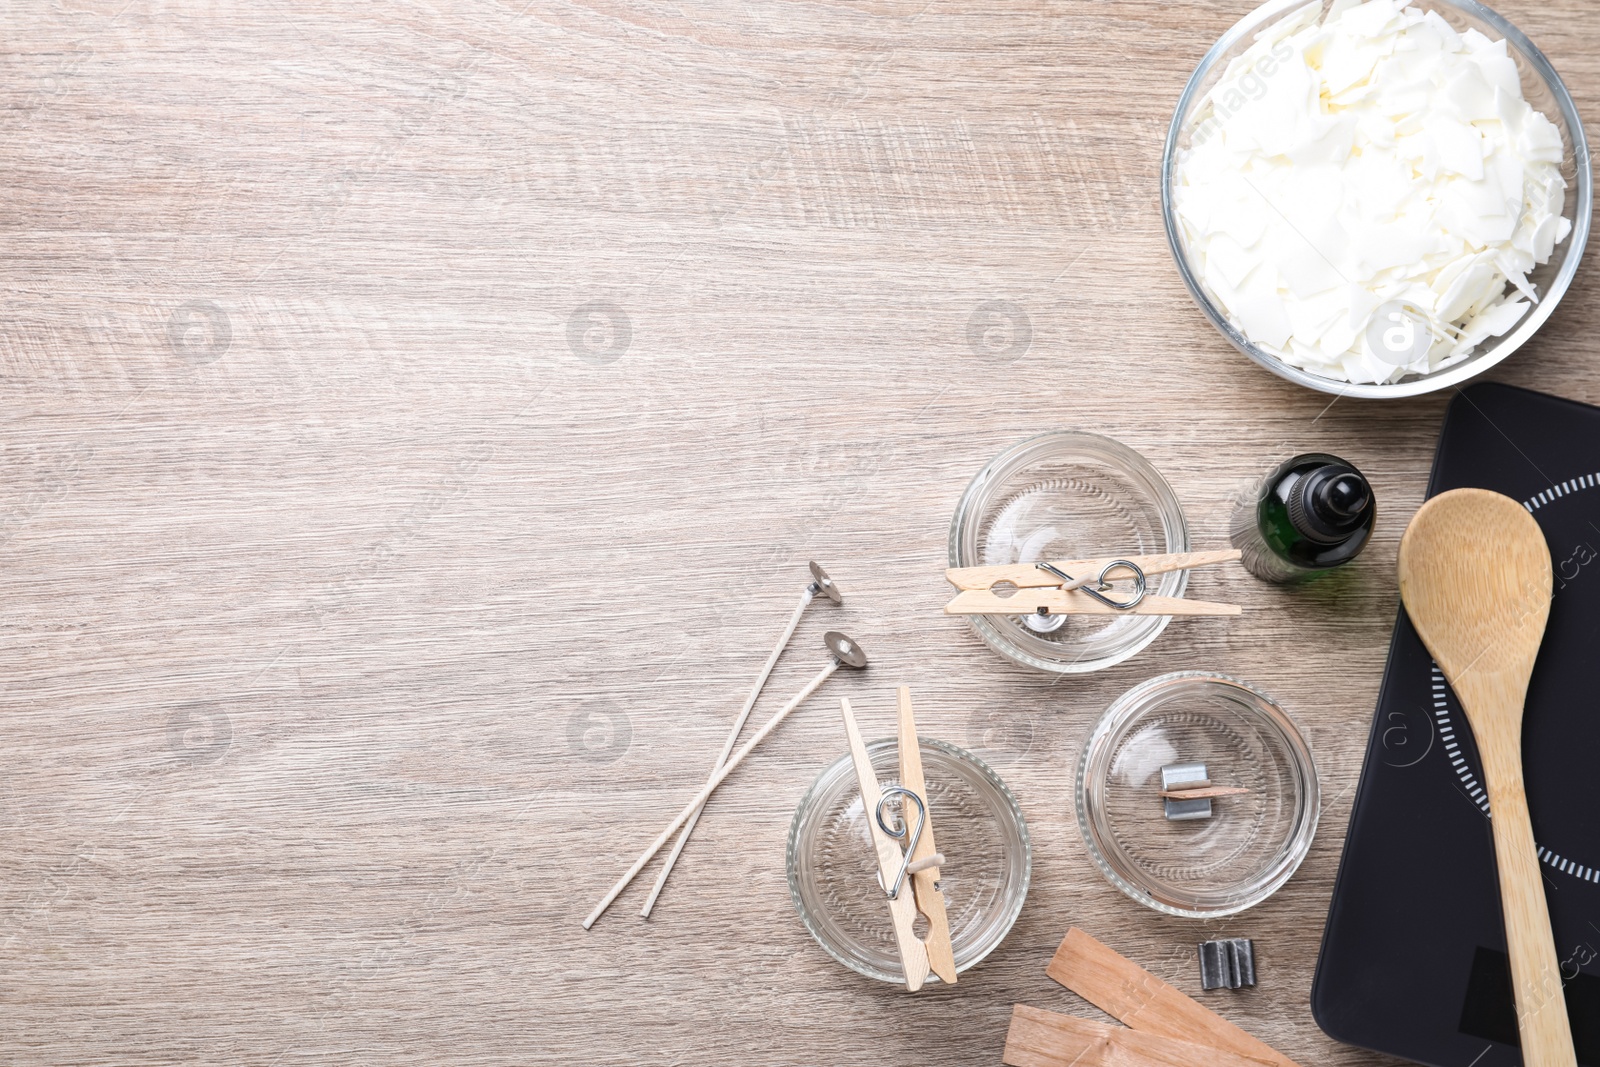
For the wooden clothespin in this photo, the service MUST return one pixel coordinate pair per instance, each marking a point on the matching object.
(1052, 589)
(925, 856)
(910, 876)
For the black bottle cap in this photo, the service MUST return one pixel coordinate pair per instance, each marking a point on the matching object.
(1329, 503)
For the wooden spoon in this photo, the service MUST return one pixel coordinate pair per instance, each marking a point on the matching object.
(1475, 579)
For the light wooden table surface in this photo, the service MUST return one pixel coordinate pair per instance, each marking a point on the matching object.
(367, 603)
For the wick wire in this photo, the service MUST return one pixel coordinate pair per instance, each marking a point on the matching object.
(727, 746)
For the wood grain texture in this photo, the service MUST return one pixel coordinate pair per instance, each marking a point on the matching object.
(1049, 1039)
(349, 351)
(1139, 1000)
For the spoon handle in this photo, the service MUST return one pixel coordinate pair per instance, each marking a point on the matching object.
(1535, 973)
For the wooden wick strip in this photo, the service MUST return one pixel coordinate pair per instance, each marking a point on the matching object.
(1045, 1039)
(1124, 990)
(1205, 792)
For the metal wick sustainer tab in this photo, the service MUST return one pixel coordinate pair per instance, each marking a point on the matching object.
(1174, 776)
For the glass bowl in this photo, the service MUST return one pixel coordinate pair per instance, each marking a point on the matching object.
(1061, 496)
(1543, 89)
(1208, 867)
(977, 825)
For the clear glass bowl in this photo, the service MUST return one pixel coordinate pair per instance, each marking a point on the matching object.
(1251, 844)
(977, 825)
(1543, 89)
(1060, 496)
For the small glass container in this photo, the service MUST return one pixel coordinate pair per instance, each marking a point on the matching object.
(977, 825)
(1199, 868)
(1060, 496)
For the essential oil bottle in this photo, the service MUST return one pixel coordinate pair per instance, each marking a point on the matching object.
(1310, 514)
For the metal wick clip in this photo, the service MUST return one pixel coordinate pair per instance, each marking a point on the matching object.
(918, 861)
(1187, 791)
(1049, 588)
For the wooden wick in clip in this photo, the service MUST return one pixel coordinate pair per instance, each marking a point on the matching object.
(1187, 791)
(1204, 792)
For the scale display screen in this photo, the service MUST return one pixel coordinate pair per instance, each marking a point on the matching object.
(1413, 958)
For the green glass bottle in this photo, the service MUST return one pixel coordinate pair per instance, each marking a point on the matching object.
(1310, 514)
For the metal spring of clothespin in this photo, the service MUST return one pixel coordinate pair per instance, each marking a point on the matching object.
(897, 830)
(1100, 585)
(908, 865)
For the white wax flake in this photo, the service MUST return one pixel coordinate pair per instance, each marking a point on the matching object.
(1376, 159)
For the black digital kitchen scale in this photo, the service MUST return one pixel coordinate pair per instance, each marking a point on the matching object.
(1413, 958)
